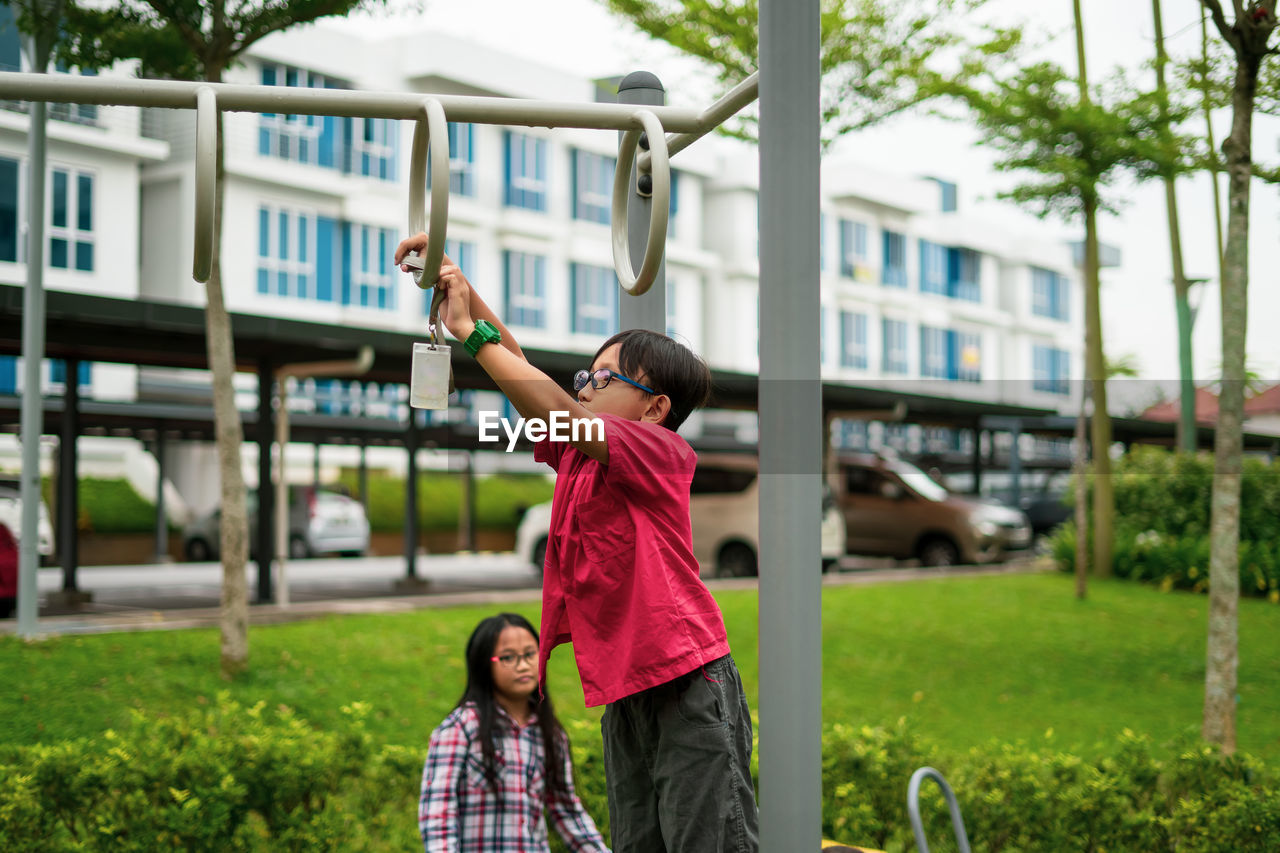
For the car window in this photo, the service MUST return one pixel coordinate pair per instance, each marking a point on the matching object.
(720, 481)
(863, 481)
(920, 482)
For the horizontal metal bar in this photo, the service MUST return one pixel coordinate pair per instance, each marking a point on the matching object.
(176, 94)
(710, 118)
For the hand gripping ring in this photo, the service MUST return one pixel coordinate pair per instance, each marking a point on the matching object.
(430, 130)
(206, 178)
(638, 283)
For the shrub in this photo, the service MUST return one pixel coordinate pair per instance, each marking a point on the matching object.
(1162, 522)
(229, 777)
(499, 498)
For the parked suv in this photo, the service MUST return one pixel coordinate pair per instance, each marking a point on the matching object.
(893, 509)
(724, 513)
(320, 522)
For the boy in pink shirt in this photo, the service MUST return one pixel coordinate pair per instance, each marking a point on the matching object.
(621, 583)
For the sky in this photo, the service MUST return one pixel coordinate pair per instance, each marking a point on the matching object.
(1137, 297)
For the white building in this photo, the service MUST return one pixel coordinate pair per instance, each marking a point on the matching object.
(915, 294)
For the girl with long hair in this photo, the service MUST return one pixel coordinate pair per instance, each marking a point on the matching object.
(499, 764)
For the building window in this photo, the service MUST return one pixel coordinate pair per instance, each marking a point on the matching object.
(853, 339)
(462, 158)
(71, 220)
(964, 274)
(675, 204)
(8, 374)
(286, 254)
(301, 138)
(1051, 370)
(593, 186)
(594, 295)
(933, 268)
(526, 171)
(895, 259)
(526, 289)
(86, 114)
(1050, 294)
(947, 354)
(372, 278)
(894, 333)
(933, 353)
(373, 148)
(461, 253)
(853, 247)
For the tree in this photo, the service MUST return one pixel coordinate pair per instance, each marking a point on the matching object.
(873, 52)
(200, 40)
(1248, 37)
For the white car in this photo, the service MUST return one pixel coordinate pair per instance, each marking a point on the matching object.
(11, 517)
(724, 514)
(320, 522)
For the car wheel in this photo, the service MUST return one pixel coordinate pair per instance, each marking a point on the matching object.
(298, 549)
(198, 551)
(939, 552)
(736, 560)
(829, 564)
(353, 553)
(540, 554)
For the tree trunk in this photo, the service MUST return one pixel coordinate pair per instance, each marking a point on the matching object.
(234, 537)
(1095, 359)
(1181, 289)
(1080, 469)
(1224, 530)
(1206, 105)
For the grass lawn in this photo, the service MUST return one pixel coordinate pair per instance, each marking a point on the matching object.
(965, 660)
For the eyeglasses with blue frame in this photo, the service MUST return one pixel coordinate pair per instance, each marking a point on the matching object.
(600, 378)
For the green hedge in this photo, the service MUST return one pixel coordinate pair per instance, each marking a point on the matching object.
(499, 499)
(228, 777)
(113, 506)
(1162, 522)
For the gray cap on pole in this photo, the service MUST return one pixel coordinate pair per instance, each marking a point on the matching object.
(649, 310)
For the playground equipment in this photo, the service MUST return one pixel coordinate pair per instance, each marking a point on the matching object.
(913, 809)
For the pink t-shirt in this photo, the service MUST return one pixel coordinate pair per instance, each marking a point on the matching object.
(620, 581)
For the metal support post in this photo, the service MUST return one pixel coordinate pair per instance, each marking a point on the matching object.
(649, 310)
(162, 521)
(362, 477)
(467, 513)
(411, 500)
(33, 354)
(264, 542)
(68, 478)
(790, 636)
(975, 458)
(1015, 463)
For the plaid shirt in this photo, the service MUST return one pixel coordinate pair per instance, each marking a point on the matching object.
(458, 811)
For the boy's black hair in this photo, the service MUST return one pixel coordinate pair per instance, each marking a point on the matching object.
(480, 687)
(669, 367)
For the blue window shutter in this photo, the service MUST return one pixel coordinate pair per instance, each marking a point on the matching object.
(575, 163)
(8, 374)
(10, 48)
(325, 257)
(8, 208)
(508, 144)
(953, 355)
(344, 263)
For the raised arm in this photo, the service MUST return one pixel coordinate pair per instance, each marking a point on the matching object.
(480, 310)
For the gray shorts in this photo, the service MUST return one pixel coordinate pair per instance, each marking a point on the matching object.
(677, 760)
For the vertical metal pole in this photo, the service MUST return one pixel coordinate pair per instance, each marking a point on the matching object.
(162, 521)
(264, 546)
(315, 466)
(363, 478)
(32, 355)
(648, 311)
(68, 494)
(280, 485)
(790, 431)
(467, 512)
(975, 459)
(411, 500)
(1015, 463)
